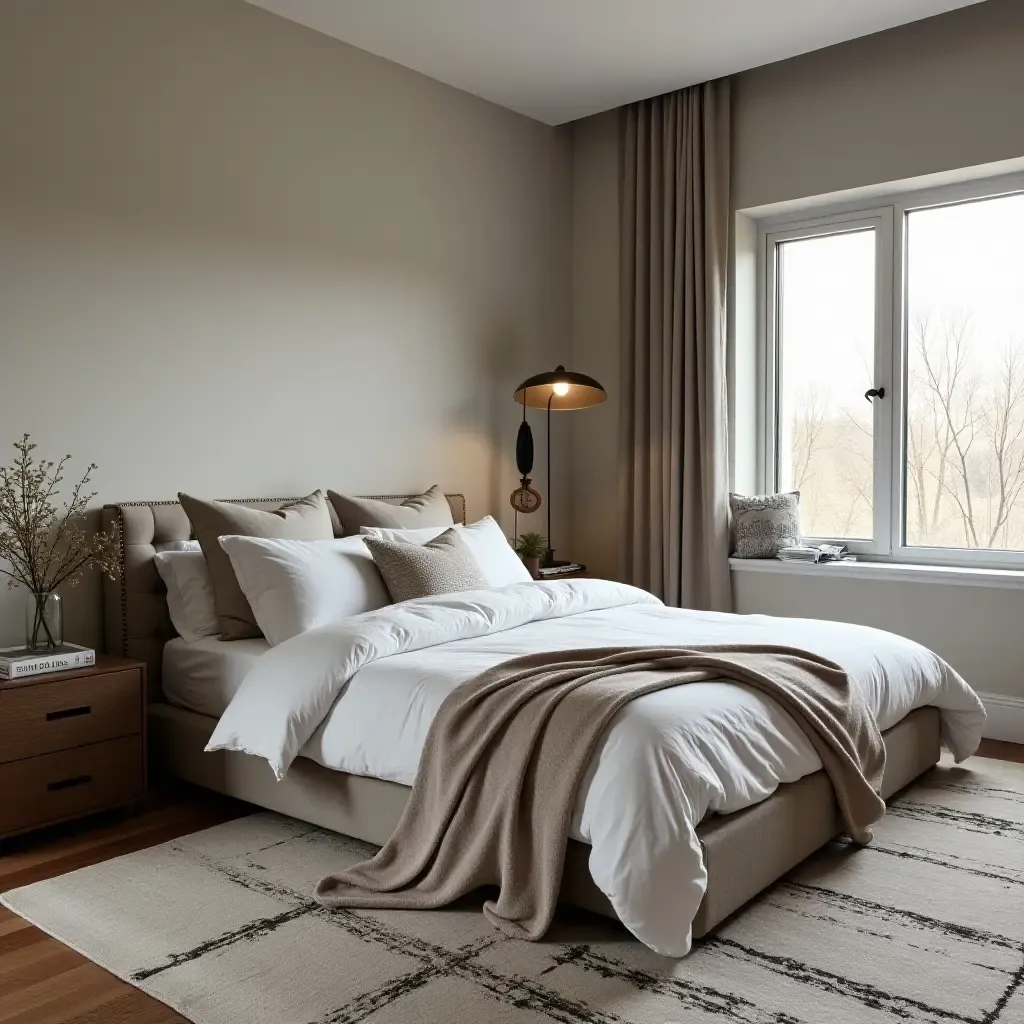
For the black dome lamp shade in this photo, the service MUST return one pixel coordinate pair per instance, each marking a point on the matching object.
(558, 390)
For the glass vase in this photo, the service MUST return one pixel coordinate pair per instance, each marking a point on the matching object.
(44, 621)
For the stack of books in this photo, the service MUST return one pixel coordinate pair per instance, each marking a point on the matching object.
(549, 571)
(816, 553)
(20, 662)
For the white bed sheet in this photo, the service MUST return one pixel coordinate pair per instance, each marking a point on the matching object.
(204, 675)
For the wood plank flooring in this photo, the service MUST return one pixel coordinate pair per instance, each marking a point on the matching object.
(1002, 751)
(42, 981)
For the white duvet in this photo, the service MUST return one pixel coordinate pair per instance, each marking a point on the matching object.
(360, 696)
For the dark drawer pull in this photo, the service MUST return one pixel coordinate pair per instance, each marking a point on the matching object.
(78, 780)
(53, 716)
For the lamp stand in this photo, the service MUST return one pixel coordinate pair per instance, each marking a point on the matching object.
(549, 557)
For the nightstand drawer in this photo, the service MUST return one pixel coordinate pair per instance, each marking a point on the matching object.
(44, 789)
(38, 719)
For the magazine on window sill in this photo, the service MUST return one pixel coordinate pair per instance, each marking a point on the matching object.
(816, 553)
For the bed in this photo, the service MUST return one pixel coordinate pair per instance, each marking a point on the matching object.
(742, 852)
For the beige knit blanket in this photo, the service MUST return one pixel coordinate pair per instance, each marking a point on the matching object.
(507, 751)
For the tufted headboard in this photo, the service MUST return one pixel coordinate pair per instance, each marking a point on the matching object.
(135, 604)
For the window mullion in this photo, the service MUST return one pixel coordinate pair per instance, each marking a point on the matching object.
(898, 477)
(885, 422)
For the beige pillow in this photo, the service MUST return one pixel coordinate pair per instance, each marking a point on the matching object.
(428, 509)
(306, 519)
(443, 565)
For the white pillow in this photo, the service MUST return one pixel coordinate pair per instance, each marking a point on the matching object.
(489, 546)
(190, 597)
(180, 545)
(296, 585)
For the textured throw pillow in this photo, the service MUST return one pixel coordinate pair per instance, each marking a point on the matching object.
(764, 523)
(306, 519)
(428, 509)
(443, 565)
(485, 540)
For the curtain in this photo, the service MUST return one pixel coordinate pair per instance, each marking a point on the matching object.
(674, 208)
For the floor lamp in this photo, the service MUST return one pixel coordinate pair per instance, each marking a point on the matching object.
(558, 390)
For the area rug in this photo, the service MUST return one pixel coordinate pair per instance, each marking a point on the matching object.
(925, 926)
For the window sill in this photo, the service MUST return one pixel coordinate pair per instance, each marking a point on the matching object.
(1006, 579)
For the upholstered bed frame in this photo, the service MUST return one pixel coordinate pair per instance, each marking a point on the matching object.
(743, 852)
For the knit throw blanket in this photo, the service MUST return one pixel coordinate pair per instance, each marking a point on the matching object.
(506, 753)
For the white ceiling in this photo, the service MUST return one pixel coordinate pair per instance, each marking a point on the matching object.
(557, 60)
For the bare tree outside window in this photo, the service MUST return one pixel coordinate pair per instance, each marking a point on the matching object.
(965, 438)
(965, 375)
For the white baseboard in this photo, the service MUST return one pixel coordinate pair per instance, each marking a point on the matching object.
(1005, 717)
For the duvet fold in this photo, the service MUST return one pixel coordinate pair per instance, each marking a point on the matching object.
(507, 751)
(296, 683)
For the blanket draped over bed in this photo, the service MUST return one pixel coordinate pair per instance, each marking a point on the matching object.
(507, 751)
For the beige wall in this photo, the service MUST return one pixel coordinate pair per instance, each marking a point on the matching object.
(241, 258)
(928, 97)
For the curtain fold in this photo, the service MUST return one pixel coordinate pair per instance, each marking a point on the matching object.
(674, 209)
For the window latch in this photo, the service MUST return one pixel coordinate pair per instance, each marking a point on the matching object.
(874, 393)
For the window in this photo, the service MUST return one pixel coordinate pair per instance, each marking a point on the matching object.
(826, 330)
(829, 318)
(964, 403)
(893, 374)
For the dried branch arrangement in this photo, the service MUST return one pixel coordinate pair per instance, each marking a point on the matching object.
(45, 546)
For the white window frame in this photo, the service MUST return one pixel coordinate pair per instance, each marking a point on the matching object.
(888, 216)
(878, 220)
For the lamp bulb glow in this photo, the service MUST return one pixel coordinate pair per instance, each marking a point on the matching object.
(560, 388)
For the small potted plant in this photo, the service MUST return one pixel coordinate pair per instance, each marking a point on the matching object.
(531, 547)
(45, 547)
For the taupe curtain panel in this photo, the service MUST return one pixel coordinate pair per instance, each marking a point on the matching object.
(674, 196)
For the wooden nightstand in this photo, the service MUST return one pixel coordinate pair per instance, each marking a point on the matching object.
(71, 743)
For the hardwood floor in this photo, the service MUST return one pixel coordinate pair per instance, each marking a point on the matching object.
(42, 981)
(1002, 751)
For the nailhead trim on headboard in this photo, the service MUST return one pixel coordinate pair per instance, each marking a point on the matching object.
(124, 584)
